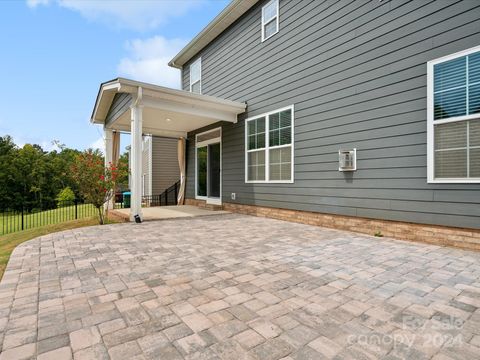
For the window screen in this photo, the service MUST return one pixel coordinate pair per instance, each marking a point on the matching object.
(456, 97)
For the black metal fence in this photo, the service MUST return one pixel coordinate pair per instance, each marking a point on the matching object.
(168, 197)
(17, 220)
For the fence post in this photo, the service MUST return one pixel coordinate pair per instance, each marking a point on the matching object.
(76, 210)
(22, 217)
(176, 195)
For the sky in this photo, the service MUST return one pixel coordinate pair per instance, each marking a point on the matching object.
(55, 53)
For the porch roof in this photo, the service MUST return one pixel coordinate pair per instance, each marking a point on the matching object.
(166, 112)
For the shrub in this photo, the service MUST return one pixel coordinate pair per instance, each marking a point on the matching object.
(96, 182)
(66, 196)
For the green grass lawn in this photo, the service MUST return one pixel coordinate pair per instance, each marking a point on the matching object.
(13, 223)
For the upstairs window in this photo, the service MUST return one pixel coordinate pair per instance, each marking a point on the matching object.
(196, 76)
(454, 118)
(269, 19)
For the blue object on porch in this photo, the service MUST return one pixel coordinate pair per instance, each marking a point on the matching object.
(126, 199)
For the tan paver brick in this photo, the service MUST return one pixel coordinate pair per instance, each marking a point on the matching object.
(249, 338)
(111, 326)
(183, 308)
(325, 346)
(96, 352)
(265, 328)
(26, 351)
(84, 338)
(197, 321)
(213, 306)
(64, 353)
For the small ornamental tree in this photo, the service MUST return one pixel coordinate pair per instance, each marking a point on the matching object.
(96, 182)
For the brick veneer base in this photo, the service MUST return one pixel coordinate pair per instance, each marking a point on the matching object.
(438, 235)
(195, 202)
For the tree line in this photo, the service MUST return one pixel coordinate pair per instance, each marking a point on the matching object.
(33, 178)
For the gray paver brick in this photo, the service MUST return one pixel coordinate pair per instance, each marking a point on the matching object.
(177, 332)
(53, 343)
(124, 351)
(190, 344)
(230, 350)
(272, 349)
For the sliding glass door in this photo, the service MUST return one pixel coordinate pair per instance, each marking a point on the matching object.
(202, 168)
(214, 170)
(208, 166)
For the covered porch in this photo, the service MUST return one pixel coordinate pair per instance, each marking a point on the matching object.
(140, 109)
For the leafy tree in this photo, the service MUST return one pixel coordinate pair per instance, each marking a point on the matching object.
(32, 178)
(29, 179)
(8, 150)
(122, 181)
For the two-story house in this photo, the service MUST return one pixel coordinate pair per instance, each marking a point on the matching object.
(360, 115)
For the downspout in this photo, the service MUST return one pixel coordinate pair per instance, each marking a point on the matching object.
(139, 98)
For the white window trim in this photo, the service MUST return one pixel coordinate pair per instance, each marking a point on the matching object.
(430, 121)
(268, 147)
(199, 60)
(277, 16)
(209, 200)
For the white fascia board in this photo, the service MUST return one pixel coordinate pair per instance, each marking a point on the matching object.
(114, 87)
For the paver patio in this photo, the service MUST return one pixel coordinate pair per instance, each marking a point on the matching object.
(237, 287)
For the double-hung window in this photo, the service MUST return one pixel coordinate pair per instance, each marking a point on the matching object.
(269, 147)
(454, 118)
(270, 21)
(196, 76)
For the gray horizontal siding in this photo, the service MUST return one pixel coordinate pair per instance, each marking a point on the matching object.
(121, 102)
(165, 170)
(146, 160)
(356, 73)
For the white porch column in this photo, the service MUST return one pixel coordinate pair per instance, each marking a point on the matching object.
(136, 156)
(108, 135)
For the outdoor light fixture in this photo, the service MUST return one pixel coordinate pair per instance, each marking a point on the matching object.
(347, 160)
